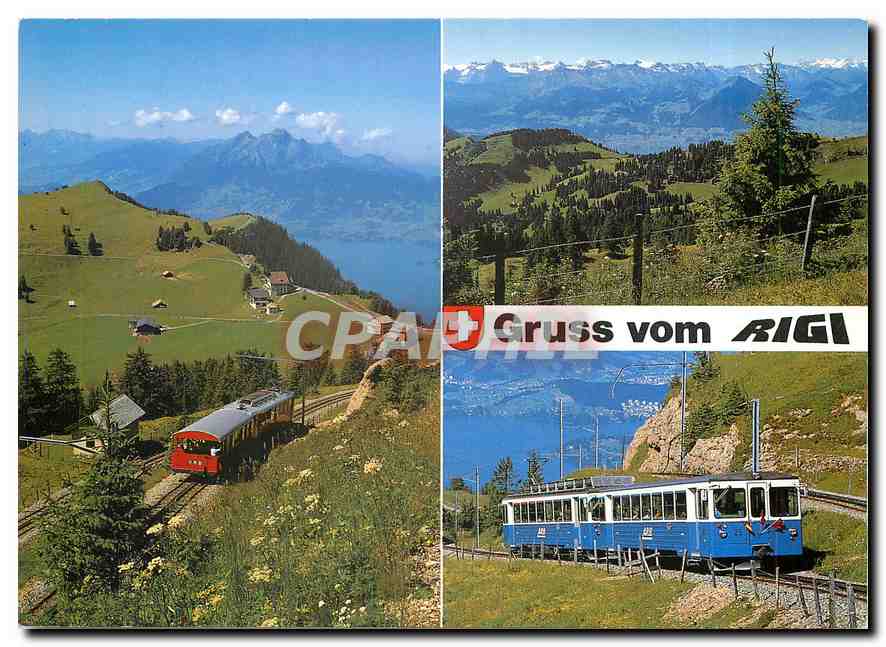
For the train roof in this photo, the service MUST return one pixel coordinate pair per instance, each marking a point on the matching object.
(223, 421)
(688, 480)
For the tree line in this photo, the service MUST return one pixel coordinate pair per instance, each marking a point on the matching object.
(51, 399)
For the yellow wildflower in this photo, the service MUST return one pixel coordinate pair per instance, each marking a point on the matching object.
(260, 574)
(257, 540)
(156, 529)
(372, 466)
(123, 568)
(177, 521)
(198, 614)
(216, 600)
(270, 622)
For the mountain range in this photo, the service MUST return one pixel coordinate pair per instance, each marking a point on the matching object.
(311, 188)
(648, 106)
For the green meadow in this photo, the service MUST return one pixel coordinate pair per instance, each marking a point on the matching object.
(206, 313)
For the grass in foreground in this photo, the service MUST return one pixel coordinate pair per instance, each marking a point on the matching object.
(482, 594)
(842, 542)
(334, 531)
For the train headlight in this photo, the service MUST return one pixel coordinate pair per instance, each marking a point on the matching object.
(793, 533)
(723, 534)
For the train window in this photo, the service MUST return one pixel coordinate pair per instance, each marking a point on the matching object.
(783, 502)
(518, 513)
(635, 507)
(701, 504)
(531, 510)
(558, 510)
(730, 503)
(582, 510)
(657, 505)
(524, 515)
(549, 512)
(598, 509)
(758, 502)
(567, 510)
(680, 504)
(616, 508)
(646, 506)
(668, 505)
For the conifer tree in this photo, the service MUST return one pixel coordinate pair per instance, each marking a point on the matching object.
(63, 393)
(102, 524)
(32, 402)
(772, 164)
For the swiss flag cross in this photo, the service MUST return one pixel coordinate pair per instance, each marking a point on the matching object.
(462, 326)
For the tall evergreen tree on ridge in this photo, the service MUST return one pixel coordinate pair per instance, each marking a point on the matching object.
(772, 165)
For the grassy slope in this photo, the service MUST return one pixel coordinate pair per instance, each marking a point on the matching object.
(126, 280)
(787, 382)
(369, 523)
(483, 594)
(842, 539)
(500, 150)
(235, 221)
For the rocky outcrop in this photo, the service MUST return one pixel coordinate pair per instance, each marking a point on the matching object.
(659, 437)
(367, 385)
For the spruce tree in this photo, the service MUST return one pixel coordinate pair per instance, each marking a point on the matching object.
(535, 470)
(101, 525)
(32, 403)
(772, 165)
(139, 380)
(63, 392)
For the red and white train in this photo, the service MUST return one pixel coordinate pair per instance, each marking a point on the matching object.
(205, 446)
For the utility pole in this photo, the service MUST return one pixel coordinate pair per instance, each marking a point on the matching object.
(561, 439)
(456, 519)
(596, 441)
(579, 458)
(683, 415)
(477, 475)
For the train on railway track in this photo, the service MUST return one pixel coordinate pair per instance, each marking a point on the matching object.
(729, 518)
(209, 446)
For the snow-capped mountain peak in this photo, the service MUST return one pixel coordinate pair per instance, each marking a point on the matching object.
(835, 63)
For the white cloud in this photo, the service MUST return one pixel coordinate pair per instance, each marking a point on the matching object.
(283, 109)
(157, 117)
(325, 123)
(228, 116)
(376, 133)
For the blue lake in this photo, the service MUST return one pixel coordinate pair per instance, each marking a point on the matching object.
(406, 273)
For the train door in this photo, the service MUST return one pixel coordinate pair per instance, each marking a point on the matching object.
(701, 501)
(730, 536)
(757, 534)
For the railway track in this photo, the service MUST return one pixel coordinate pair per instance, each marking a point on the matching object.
(170, 503)
(845, 501)
(794, 581)
(27, 520)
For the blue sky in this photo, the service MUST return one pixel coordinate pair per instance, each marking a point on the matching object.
(720, 42)
(371, 86)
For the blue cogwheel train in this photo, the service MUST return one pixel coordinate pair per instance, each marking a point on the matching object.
(736, 517)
